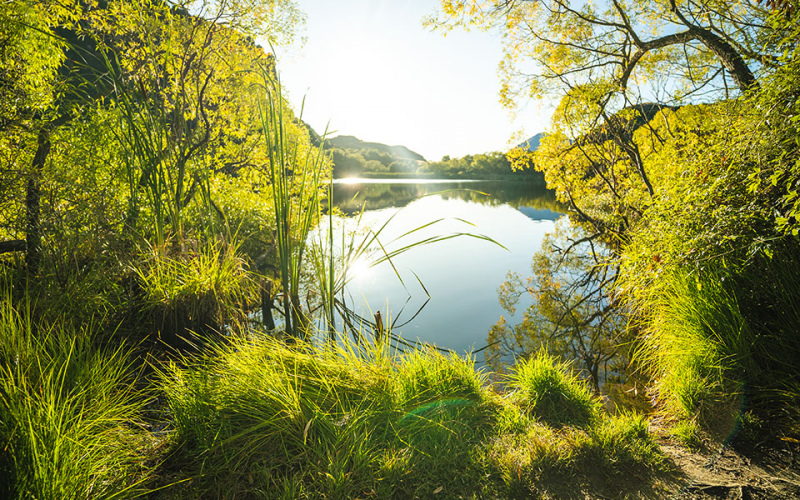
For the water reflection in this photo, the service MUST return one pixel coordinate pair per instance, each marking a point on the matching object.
(538, 203)
(461, 275)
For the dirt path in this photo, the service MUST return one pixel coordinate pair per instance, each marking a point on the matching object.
(767, 470)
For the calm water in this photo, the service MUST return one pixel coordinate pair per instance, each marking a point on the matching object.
(462, 274)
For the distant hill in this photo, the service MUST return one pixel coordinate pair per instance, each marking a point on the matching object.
(353, 157)
(532, 144)
(350, 142)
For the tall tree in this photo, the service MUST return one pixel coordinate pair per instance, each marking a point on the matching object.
(553, 45)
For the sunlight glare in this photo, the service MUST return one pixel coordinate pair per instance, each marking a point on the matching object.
(359, 270)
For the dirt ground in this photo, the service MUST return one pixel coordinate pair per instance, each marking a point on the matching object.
(741, 471)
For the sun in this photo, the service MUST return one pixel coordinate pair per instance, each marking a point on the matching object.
(359, 270)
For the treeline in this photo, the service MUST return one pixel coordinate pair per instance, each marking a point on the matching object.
(374, 163)
(493, 165)
(362, 162)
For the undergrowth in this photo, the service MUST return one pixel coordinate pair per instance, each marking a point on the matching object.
(264, 419)
(70, 416)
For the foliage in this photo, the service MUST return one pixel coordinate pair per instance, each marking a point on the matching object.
(710, 269)
(480, 166)
(30, 56)
(555, 46)
(349, 162)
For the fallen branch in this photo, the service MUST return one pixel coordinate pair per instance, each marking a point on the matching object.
(13, 246)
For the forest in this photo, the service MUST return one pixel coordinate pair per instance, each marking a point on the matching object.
(173, 323)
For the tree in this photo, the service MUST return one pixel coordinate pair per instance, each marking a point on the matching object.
(682, 48)
(191, 76)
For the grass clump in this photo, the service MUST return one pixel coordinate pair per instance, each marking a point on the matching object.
(256, 416)
(697, 349)
(426, 375)
(200, 290)
(254, 413)
(549, 391)
(549, 462)
(70, 424)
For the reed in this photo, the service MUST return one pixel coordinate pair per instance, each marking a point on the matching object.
(295, 171)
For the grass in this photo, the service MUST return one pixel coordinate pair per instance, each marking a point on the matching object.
(699, 350)
(257, 418)
(251, 416)
(203, 290)
(549, 391)
(70, 416)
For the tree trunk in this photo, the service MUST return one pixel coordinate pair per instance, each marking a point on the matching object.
(33, 229)
(728, 56)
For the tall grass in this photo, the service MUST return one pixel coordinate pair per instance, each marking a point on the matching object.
(256, 417)
(697, 348)
(551, 392)
(69, 414)
(255, 414)
(295, 174)
(202, 291)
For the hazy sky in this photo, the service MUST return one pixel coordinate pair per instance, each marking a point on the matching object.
(371, 70)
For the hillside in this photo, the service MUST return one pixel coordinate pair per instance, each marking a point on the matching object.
(351, 142)
(532, 144)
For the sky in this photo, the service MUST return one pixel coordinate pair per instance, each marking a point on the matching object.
(370, 69)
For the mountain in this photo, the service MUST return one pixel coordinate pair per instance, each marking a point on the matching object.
(350, 142)
(532, 144)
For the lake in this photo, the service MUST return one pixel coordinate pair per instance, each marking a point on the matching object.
(456, 280)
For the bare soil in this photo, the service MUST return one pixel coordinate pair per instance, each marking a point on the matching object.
(739, 470)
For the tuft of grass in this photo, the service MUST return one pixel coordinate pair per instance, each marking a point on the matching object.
(688, 433)
(426, 375)
(199, 290)
(549, 390)
(69, 414)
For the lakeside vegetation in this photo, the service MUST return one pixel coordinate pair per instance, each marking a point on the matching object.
(157, 199)
(352, 157)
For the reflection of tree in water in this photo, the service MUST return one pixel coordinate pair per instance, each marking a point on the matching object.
(350, 198)
(571, 315)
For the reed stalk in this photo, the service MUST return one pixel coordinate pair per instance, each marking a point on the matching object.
(295, 174)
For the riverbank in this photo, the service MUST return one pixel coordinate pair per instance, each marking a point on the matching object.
(254, 417)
